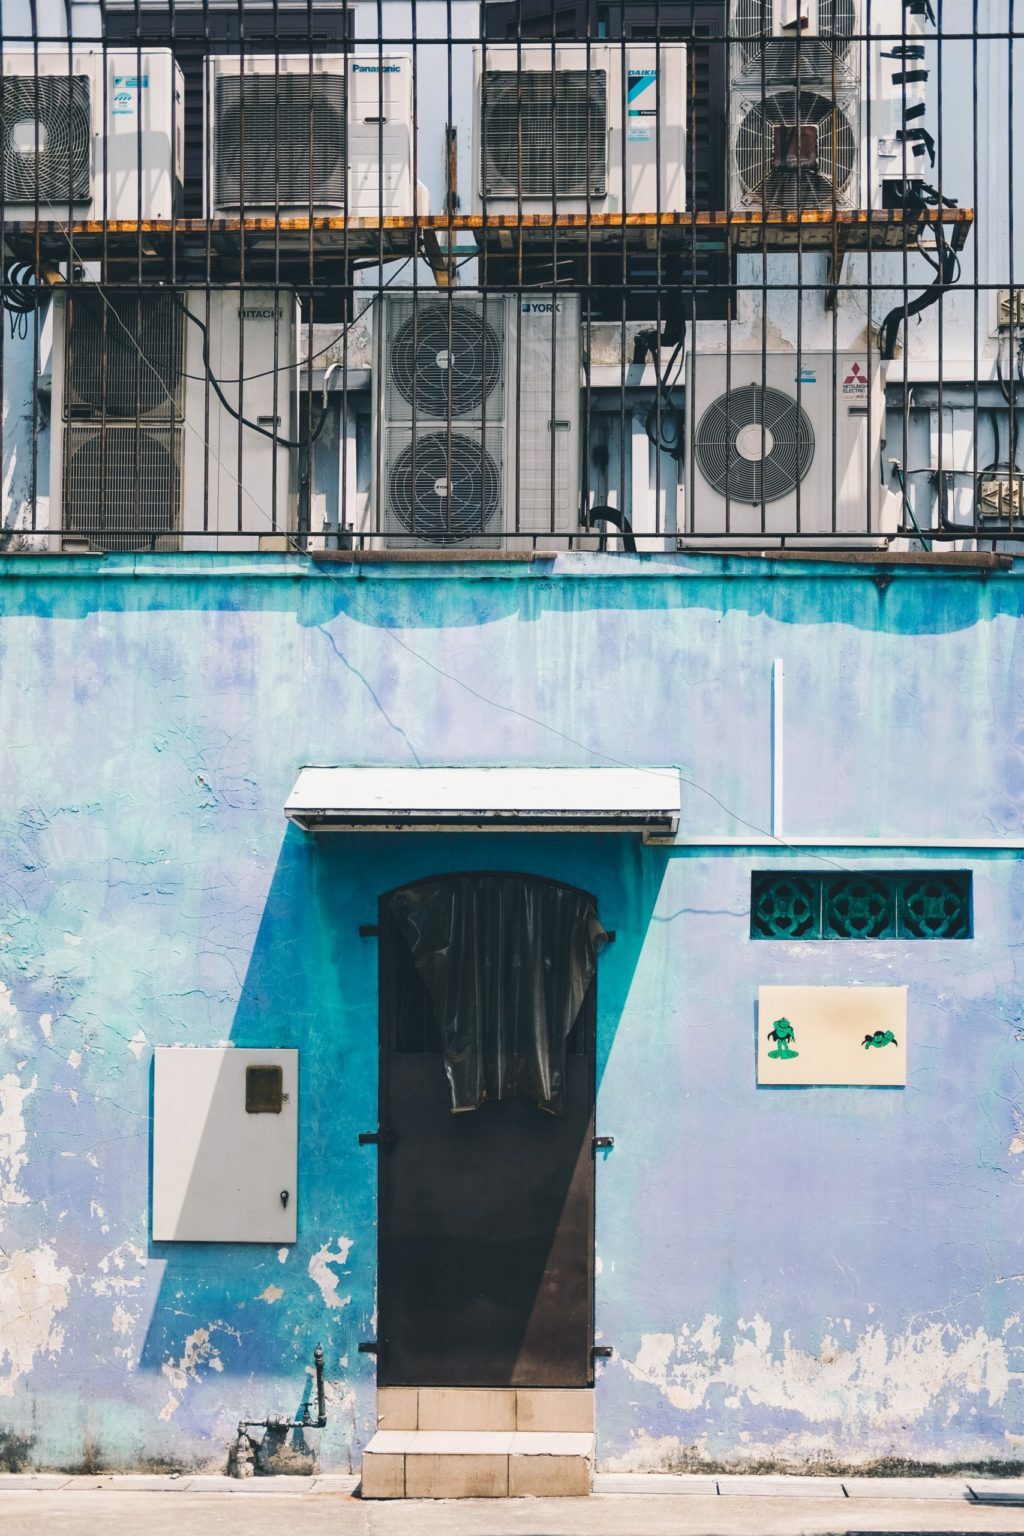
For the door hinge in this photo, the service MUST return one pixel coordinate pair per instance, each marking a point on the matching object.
(602, 1143)
(599, 1351)
(382, 1138)
(369, 931)
(368, 1347)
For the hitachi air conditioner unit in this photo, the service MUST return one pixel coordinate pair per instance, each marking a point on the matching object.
(576, 129)
(833, 122)
(477, 421)
(327, 135)
(91, 135)
(143, 453)
(762, 464)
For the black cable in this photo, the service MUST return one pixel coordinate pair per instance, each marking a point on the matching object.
(283, 442)
(670, 441)
(617, 520)
(889, 330)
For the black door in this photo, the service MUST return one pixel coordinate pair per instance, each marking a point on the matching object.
(486, 1218)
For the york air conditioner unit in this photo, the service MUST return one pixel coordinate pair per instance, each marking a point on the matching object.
(554, 125)
(477, 421)
(327, 135)
(91, 134)
(821, 119)
(762, 462)
(143, 454)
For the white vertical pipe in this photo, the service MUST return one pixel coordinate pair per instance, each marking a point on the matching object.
(777, 743)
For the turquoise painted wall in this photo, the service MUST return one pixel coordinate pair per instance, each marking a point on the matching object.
(830, 1273)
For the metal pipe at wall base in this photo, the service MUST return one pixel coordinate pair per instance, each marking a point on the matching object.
(242, 1454)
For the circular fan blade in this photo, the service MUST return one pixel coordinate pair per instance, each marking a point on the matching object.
(445, 498)
(725, 446)
(446, 362)
(795, 149)
(46, 139)
(122, 483)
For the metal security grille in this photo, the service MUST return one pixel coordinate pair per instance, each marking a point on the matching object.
(932, 904)
(45, 139)
(544, 133)
(754, 444)
(124, 355)
(280, 140)
(797, 150)
(122, 486)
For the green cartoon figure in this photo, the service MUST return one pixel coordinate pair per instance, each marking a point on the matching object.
(879, 1038)
(782, 1033)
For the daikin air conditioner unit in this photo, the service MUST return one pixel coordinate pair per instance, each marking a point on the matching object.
(576, 129)
(762, 462)
(143, 453)
(829, 120)
(477, 421)
(327, 135)
(91, 134)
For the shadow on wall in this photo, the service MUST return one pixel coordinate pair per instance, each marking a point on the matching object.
(234, 1325)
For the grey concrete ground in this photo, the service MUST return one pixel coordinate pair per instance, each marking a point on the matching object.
(621, 1506)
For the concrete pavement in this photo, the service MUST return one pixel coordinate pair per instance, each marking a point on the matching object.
(621, 1506)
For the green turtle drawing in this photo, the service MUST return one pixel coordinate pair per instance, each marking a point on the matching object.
(782, 1033)
(879, 1038)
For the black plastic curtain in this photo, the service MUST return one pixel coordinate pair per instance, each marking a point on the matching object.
(506, 962)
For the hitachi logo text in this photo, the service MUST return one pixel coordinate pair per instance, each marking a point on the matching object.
(260, 314)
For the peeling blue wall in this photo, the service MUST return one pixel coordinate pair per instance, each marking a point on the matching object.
(791, 1276)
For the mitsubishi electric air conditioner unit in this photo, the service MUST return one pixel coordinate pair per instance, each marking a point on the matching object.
(762, 463)
(143, 454)
(580, 130)
(91, 135)
(477, 421)
(820, 118)
(327, 135)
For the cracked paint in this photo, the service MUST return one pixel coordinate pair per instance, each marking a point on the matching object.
(34, 1288)
(322, 1271)
(13, 1138)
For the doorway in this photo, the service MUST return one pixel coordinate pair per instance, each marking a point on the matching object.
(486, 1216)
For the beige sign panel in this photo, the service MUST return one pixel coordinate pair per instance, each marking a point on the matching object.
(832, 1036)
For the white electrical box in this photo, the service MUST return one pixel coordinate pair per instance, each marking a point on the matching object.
(225, 1145)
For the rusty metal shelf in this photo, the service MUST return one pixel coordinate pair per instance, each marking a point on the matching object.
(319, 250)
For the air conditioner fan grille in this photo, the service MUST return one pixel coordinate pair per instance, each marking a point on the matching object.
(544, 133)
(446, 361)
(124, 355)
(122, 486)
(777, 59)
(765, 420)
(45, 140)
(281, 141)
(796, 150)
(444, 489)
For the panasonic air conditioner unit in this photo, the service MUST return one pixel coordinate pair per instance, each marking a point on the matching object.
(143, 453)
(824, 118)
(477, 421)
(92, 135)
(762, 464)
(327, 135)
(576, 129)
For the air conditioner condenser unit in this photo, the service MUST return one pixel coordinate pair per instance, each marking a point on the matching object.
(760, 436)
(577, 129)
(326, 135)
(143, 453)
(91, 135)
(477, 422)
(793, 40)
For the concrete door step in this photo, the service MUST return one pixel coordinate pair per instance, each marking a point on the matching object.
(477, 1464)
